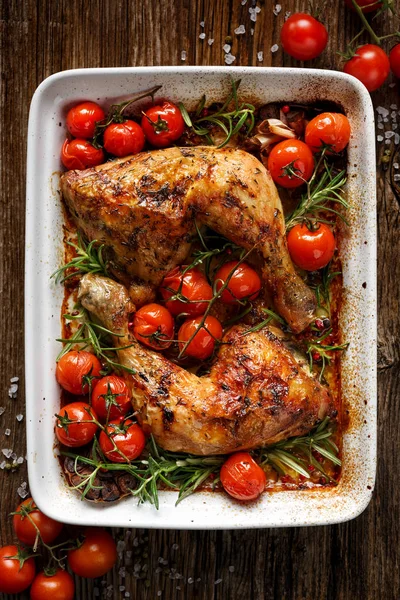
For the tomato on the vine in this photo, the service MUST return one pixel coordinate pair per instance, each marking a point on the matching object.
(57, 585)
(163, 124)
(81, 119)
(75, 426)
(95, 556)
(111, 398)
(370, 65)
(291, 163)
(311, 249)
(122, 139)
(16, 573)
(203, 342)
(24, 528)
(365, 5)
(80, 154)
(394, 59)
(242, 477)
(303, 37)
(244, 282)
(75, 369)
(153, 325)
(192, 285)
(128, 438)
(328, 129)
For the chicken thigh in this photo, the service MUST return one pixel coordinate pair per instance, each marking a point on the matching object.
(145, 207)
(255, 394)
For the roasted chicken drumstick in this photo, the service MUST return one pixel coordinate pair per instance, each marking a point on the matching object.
(144, 208)
(256, 393)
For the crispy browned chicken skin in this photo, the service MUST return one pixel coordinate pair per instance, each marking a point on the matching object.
(256, 393)
(144, 208)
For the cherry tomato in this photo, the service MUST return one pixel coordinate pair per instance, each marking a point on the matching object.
(74, 368)
(311, 250)
(15, 578)
(153, 325)
(56, 586)
(303, 37)
(163, 125)
(195, 287)
(244, 283)
(128, 438)
(242, 477)
(81, 154)
(332, 129)
(370, 65)
(81, 119)
(125, 138)
(111, 398)
(290, 163)
(203, 342)
(96, 555)
(394, 59)
(366, 5)
(24, 528)
(81, 431)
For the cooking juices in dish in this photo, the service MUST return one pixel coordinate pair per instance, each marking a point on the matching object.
(201, 339)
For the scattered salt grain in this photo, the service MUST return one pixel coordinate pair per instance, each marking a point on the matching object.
(387, 142)
(254, 12)
(16, 379)
(287, 14)
(381, 110)
(251, 31)
(392, 85)
(231, 569)
(22, 491)
(183, 55)
(175, 547)
(275, 48)
(14, 456)
(393, 114)
(277, 9)
(217, 581)
(385, 119)
(226, 48)
(20, 460)
(202, 36)
(396, 177)
(160, 559)
(379, 138)
(190, 580)
(396, 139)
(120, 547)
(7, 432)
(2, 410)
(121, 588)
(395, 166)
(229, 58)
(12, 391)
(202, 24)
(393, 106)
(19, 418)
(159, 593)
(2, 464)
(389, 134)
(210, 41)
(260, 56)
(244, 2)
(239, 30)
(7, 452)
(381, 126)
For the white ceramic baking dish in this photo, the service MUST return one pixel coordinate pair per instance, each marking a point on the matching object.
(44, 252)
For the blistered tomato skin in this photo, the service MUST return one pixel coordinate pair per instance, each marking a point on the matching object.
(74, 367)
(328, 129)
(243, 283)
(81, 119)
(122, 139)
(75, 424)
(291, 163)
(153, 326)
(80, 154)
(127, 436)
(311, 250)
(203, 342)
(111, 398)
(192, 285)
(242, 477)
(163, 124)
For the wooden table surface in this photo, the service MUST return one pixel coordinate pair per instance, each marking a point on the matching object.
(355, 560)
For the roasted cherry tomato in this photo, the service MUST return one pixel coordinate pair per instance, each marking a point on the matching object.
(81, 119)
(58, 585)
(111, 398)
(163, 125)
(291, 163)
(394, 59)
(193, 286)
(24, 528)
(370, 65)
(128, 438)
(311, 250)
(95, 556)
(203, 342)
(365, 5)
(14, 576)
(328, 129)
(74, 370)
(124, 138)
(243, 283)
(74, 425)
(153, 325)
(242, 477)
(81, 154)
(303, 37)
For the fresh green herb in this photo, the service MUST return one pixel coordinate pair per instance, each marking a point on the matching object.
(272, 316)
(322, 289)
(89, 259)
(319, 352)
(230, 119)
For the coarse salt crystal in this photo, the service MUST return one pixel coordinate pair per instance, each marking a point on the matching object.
(393, 106)
(7, 432)
(202, 36)
(392, 85)
(210, 41)
(389, 134)
(244, 2)
(175, 547)
(159, 593)
(239, 30)
(229, 58)
(201, 23)
(287, 14)
(121, 588)
(251, 31)
(385, 119)
(260, 56)
(16, 379)
(393, 114)
(387, 142)
(277, 9)
(2, 410)
(20, 460)
(3, 464)
(183, 55)
(22, 493)
(14, 456)
(19, 418)
(13, 389)
(231, 569)
(275, 48)
(379, 138)
(198, 579)
(395, 165)
(217, 581)
(396, 138)
(190, 580)
(396, 177)
(7, 452)
(381, 126)
(226, 48)
(381, 110)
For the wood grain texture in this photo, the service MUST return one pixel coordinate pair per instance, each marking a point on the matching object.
(355, 560)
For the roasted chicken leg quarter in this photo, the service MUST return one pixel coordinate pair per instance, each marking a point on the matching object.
(256, 393)
(144, 208)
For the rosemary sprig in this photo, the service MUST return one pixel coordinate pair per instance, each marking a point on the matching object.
(317, 351)
(322, 289)
(320, 193)
(89, 259)
(229, 120)
(272, 316)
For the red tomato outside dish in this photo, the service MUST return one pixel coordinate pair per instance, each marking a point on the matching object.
(96, 555)
(370, 65)
(56, 586)
(24, 528)
(15, 578)
(303, 37)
